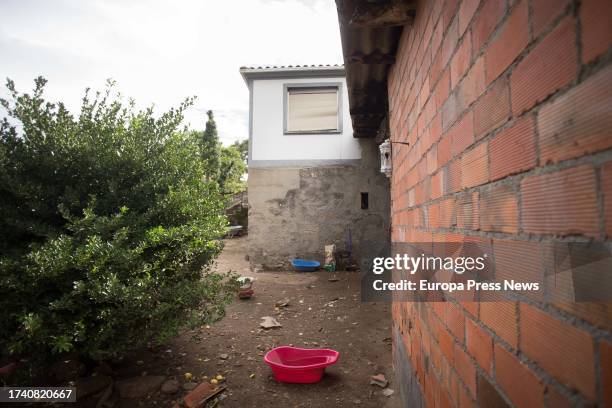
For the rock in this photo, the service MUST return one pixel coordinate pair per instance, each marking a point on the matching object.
(379, 379)
(91, 385)
(170, 387)
(387, 392)
(333, 279)
(188, 386)
(223, 356)
(282, 303)
(67, 370)
(269, 323)
(139, 387)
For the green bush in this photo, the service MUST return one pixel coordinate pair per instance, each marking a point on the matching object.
(108, 228)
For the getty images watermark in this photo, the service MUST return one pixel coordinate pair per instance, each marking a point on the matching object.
(425, 263)
(483, 270)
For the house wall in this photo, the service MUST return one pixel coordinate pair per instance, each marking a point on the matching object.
(295, 211)
(305, 190)
(507, 106)
(270, 147)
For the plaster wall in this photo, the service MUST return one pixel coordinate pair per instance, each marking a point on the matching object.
(269, 146)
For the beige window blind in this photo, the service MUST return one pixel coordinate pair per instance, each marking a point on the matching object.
(312, 109)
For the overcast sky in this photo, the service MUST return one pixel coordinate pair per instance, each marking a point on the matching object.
(161, 51)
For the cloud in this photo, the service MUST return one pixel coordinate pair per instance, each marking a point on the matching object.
(161, 51)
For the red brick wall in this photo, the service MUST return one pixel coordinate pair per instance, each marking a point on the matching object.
(507, 109)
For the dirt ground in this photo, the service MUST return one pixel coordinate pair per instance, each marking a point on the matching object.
(321, 313)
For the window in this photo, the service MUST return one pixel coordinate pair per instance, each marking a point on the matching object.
(364, 201)
(312, 109)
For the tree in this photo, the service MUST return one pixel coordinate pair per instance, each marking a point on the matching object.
(224, 165)
(243, 147)
(232, 169)
(108, 228)
(210, 148)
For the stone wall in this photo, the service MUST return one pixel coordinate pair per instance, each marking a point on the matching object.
(296, 211)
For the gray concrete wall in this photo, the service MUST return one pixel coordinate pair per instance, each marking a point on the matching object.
(296, 211)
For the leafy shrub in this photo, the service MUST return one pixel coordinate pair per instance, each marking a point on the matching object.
(108, 228)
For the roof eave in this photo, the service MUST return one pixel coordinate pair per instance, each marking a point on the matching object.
(370, 33)
(291, 72)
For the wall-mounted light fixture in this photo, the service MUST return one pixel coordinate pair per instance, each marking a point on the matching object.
(385, 157)
(386, 161)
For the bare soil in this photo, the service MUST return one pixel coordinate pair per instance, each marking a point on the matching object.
(320, 313)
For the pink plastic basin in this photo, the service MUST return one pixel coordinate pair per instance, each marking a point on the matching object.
(298, 365)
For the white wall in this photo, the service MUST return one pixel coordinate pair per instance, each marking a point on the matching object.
(268, 143)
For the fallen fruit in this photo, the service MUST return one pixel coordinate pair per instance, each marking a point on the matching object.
(214, 381)
(188, 376)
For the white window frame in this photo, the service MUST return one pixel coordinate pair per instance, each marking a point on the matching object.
(287, 87)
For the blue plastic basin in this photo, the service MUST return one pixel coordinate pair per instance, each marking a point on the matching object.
(304, 265)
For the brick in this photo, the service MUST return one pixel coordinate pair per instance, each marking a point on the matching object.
(488, 396)
(474, 167)
(606, 187)
(442, 88)
(466, 369)
(455, 321)
(472, 86)
(575, 124)
(436, 185)
(561, 349)
(450, 111)
(513, 150)
(548, 67)
(432, 160)
(452, 177)
(462, 134)
(499, 209)
(467, 211)
(605, 362)
(446, 343)
(466, 11)
(557, 400)
(461, 61)
(465, 399)
(564, 202)
(596, 23)
(433, 216)
(480, 345)
(493, 109)
(508, 43)
(521, 261)
(518, 382)
(500, 317)
(449, 10)
(448, 216)
(489, 16)
(544, 12)
(449, 42)
(471, 307)
(436, 37)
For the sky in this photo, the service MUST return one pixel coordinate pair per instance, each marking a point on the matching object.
(161, 51)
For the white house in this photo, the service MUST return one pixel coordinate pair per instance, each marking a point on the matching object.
(311, 183)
